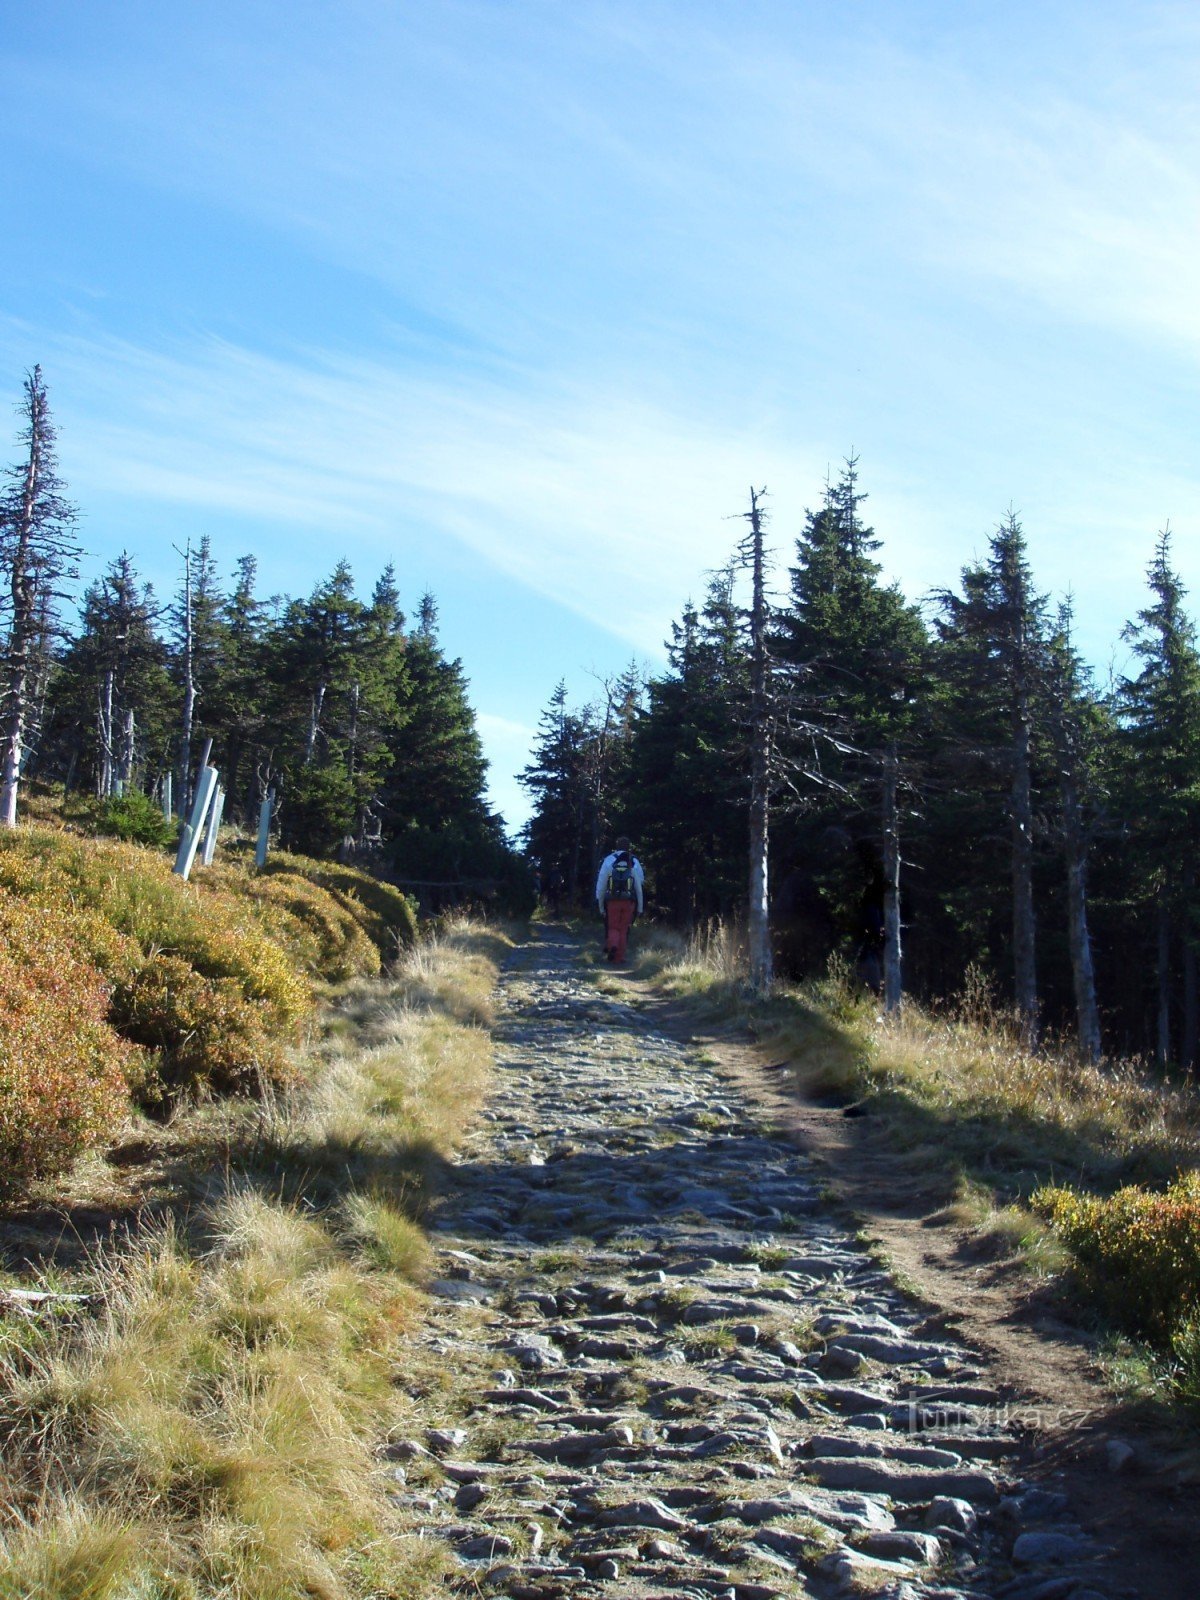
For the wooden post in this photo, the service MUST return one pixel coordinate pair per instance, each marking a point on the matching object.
(206, 788)
(214, 823)
(264, 829)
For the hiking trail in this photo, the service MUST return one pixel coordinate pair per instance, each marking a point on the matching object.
(679, 1372)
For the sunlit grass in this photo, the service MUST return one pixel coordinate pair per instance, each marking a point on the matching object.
(209, 1424)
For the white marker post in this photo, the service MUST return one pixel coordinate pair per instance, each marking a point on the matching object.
(264, 829)
(190, 842)
(214, 822)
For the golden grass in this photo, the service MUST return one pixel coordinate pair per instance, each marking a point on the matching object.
(209, 1425)
(958, 1089)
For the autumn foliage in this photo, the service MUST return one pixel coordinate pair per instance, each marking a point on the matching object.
(1136, 1252)
(117, 979)
(65, 1074)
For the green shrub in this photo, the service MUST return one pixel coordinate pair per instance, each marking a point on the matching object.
(319, 932)
(194, 976)
(387, 916)
(1136, 1253)
(64, 1072)
(206, 1036)
(135, 818)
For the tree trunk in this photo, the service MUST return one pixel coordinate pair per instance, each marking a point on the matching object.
(1162, 1051)
(186, 795)
(24, 603)
(1024, 962)
(127, 742)
(314, 724)
(758, 920)
(104, 770)
(1191, 999)
(14, 727)
(1087, 1012)
(892, 971)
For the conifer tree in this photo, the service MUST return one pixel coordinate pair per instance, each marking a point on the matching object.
(1160, 716)
(37, 552)
(685, 797)
(854, 650)
(557, 781)
(434, 801)
(114, 700)
(993, 661)
(1078, 727)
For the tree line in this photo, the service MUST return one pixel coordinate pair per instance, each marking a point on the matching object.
(954, 798)
(351, 716)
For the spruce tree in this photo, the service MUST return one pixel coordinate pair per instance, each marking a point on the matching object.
(115, 704)
(992, 665)
(1160, 717)
(37, 553)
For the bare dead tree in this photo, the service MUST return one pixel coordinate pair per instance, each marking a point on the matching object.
(189, 684)
(758, 923)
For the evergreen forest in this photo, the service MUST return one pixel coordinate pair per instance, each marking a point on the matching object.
(346, 712)
(954, 763)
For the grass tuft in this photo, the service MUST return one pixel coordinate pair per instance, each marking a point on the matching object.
(210, 1427)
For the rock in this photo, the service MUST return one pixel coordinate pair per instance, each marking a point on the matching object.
(404, 1450)
(948, 1511)
(485, 1548)
(855, 1573)
(443, 1440)
(899, 1481)
(839, 1361)
(788, 1352)
(1034, 1505)
(1045, 1546)
(608, 1569)
(470, 1495)
(1119, 1454)
(461, 1290)
(902, 1545)
(643, 1514)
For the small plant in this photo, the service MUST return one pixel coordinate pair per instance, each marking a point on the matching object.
(1136, 1254)
(136, 818)
(64, 1072)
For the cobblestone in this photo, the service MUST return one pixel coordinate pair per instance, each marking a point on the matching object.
(683, 1376)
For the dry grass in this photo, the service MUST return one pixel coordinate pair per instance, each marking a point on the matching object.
(957, 1089)
(1033, 1113)
(208, 1426)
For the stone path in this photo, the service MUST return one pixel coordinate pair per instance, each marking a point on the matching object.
(683, 1376)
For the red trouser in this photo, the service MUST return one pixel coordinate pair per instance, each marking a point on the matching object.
(618, 915)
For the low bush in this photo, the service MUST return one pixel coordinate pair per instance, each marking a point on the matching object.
(192, 975)
(135, 818)
(206, 1036)
(325, 937)
(387, 916)
(64, 1072)
(1136, 1253)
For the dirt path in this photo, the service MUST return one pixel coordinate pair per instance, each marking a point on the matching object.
(669, 1367)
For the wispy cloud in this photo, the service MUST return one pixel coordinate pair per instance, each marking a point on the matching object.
(576, 493)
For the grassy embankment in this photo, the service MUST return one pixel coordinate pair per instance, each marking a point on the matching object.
(205, 1419)
(1089, 1172)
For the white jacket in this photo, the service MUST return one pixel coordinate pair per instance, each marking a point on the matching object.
(606, 866)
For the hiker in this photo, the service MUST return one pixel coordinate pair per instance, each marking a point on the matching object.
(619, 896)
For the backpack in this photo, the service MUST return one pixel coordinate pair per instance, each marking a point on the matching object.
(620, 878)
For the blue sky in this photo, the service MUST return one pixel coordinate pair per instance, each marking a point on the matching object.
(523, 296)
